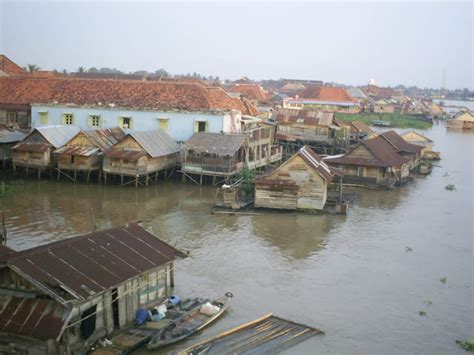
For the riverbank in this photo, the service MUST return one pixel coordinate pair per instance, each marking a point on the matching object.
(397, 120)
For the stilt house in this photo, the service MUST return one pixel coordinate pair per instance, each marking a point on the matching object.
(8, 139)
(62, 297)
(416, 138)
(373, 162)
(299, 183)
(463, 121)
(140, 155)
(405, 149)
(84, 153)
(35, 150)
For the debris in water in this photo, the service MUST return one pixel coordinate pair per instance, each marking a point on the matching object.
(422, 313)
(428, 302)
(467, 345)
(443, 280)
(446, 174)
(450, 187)
(407, 249)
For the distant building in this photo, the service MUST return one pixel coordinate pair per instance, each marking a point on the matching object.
(8, 139)
(463, 121)
(384, 106)
(332, 99)
(421, 140)
(9, 68)
(252, 92)
(62, 297)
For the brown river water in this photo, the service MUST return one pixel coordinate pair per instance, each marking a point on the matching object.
(348, 275)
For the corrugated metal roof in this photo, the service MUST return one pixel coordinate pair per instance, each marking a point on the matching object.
(77, 150)
(59, 135)
(7, 136)
(220, 144)
(38, 318)
(316, 163)
(105, 137)
(307, 117)
(84, 266)
(156, 143)
(400, 144)
(5, 253)
(31, 147)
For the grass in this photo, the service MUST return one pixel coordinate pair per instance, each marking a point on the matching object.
(397, 120)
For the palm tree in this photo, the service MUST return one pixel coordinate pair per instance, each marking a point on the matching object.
(32, 68)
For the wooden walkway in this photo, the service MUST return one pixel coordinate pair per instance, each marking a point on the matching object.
(130, 339)
(268, 334)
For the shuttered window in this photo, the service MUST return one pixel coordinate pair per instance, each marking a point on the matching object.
(94, 121)
(68, 119)
(43, 118)
(163, 124)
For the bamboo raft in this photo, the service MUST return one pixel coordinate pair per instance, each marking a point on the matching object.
(269, 334)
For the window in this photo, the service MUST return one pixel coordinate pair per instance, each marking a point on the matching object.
(43, 117)
(68, 118)
(163, 124)
(125, 122)
(94, 121)
(201, 126)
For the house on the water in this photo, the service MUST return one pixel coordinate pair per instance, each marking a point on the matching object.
(84, 153)
(221, 155)
(421, 140)
(62, 297)
(179, 108)
(301, 182)
(402, 147)
(8, 138)
(140, 156)
(372, 162)
(463, 121)
(325, 98)
(384, 106)
(35, 151)
(311, 127)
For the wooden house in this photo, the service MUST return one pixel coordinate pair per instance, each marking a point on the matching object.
(463, 121)
(63, 297)
(373, 162)
(35, 150)
(384, 106)
(417, 138)
(325, 98)
(402, 147)
(224, 155)
(8, 138)
(84, 153)
(299, 183)
(140, 155)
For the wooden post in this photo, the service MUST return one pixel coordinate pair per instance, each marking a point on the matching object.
(136, 181)
(39, 173)
(121, 179)
(105, 178)
(172, 275)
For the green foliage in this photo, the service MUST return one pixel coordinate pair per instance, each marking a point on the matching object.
(246, 176)
(422, 313)
(467, 345)
(32, 68)
(450, 187)
(4, 189)
(396, 119)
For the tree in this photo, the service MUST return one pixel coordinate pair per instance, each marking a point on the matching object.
(162, 73)
(81, 70)
(93, 70)
(32, 68)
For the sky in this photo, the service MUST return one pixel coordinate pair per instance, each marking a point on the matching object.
(392, 42)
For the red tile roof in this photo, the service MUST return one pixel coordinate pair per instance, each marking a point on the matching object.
(326, 93)
(250, 91)
(9, 67)
(157, 95)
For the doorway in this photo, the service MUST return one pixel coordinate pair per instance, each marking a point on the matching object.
(115, 309)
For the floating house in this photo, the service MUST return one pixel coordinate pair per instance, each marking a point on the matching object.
(179, 108)
(140, 155)
(384, 106)
(84, 153)
(332, 99)
(463, 121)
(224, 155)
(301, 182)
(417, 138)
(402, 147)
(8, 138)
(62, 297)
(373, 162)
(35, 150)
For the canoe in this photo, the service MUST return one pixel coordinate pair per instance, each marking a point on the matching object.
(189, 323)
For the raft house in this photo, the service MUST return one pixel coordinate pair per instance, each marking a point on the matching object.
(402, 147)
(300, 183)
(35, 151)
(62, 297)
(463, 121)
(8, 138)
(417, 138)
(84, 153)
(373, 162)
(140, 156)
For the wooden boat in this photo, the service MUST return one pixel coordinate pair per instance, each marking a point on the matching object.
(188, 324)
(381, 123)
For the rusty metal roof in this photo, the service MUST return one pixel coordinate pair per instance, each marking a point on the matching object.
(5, 253)
(77, 150)
(8, 136)
(31, 147)
(99, 140)
(399, 143)
(220, 144)
(131, 155)
(307, 117)
(39, 318)
(81, 267)
(157, 143)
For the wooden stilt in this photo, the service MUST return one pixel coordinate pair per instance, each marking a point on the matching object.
(39, 173)
(59, 172)
(121, 179)
(136, 181)
(200, 180)
(100, 175)
(105, 178)
(88, 175)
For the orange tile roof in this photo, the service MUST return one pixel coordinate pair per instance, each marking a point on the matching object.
(250, 91)
(326, 93)
(122, 93)
(9, 67)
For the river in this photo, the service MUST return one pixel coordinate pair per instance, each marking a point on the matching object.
(351, 276)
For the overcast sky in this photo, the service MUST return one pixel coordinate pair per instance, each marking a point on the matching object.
(394, 43)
